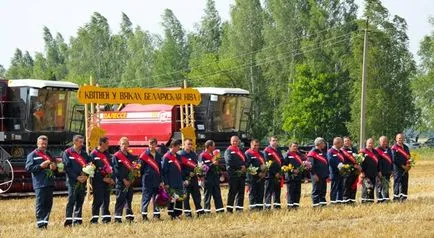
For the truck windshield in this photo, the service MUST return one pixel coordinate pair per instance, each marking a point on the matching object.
(48, 109)
(225, 113)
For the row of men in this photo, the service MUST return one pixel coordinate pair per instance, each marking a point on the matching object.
(175, 171)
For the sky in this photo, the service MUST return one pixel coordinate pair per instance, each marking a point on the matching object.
(22, 20)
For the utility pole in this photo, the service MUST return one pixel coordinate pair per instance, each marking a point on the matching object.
(363, 99)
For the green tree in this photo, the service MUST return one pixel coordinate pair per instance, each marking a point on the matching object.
(89, 53)
(171, 58)
(423, 85)
(390, 101)
(245, 40)
(318, 102)
(2, 71)
(139, 66)
(21, 66)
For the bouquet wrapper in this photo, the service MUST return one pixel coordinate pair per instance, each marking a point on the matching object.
(162, 199)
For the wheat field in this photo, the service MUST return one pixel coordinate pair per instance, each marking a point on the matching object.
(414, 218)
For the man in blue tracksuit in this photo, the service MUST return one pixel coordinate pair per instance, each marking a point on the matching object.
(102, 181)
(350, 180)
(172, 178)
(122, 164)
(42, 166)
(336, 157)
(386, 166)
(273, 179)
(212, 179)
(370, 172)
(151, 178)
(293, 182)
(74, 159)
(319, 172)
(236, 166)
(401, 168)
(189, 162)
(256, 182)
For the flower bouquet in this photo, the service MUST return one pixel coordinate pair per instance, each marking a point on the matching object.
(345, 169)
(216, 157)
(107, 172)
(60, 167)
(252, 170)
(176, 196)
(133, 174)
(162, 199)
(201, 169)
(305, 166)
(412, 160)
(89, 171)
(359, 157)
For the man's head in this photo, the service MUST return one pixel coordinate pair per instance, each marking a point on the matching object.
(384, 142)
(400, 138)
(254, 144)
(293, 147)
(370, 143)
(209, 145)
(78, 140)
(320, 143)
(235, 141)
(273, 141)
(337, 142)
(103, 143)
(188, 144)
(175, 145)
(347, 141)
(42, 142)
(153, 143)
(124, 143)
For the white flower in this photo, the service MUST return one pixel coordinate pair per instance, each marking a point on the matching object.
(340, 166)
(89, 170)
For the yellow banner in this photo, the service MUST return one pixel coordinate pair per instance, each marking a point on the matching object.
(98, 95)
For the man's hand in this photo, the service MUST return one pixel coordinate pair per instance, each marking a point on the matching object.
(243, 169)
(45, 164)
(53, 166)
(192, 174)
(380, 175)
(295, 171)
(315, 178)
(109, 181)
(358, 167)
(127, 183)
(215, 162)
(161, 184)
(277, 175)
(261, 174)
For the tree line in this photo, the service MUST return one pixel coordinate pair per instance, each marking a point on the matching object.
(301, 61)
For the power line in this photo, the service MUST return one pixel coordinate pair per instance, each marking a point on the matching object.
(241, 55)
(274, 58)
(226, 70)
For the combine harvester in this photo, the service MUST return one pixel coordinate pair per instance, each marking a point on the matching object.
(29, 108)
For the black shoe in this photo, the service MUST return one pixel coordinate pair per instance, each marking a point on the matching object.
(118, 220)
(77, 223)
(106, 221)
(67, 223)
(145, 218)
